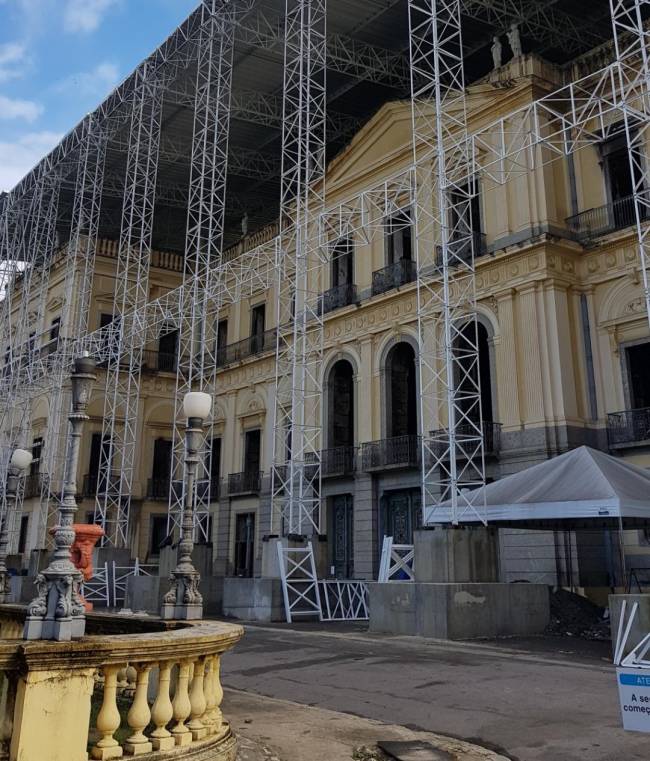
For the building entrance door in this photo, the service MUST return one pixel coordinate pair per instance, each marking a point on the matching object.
(244, 544)
(400, 515)
(342, 533)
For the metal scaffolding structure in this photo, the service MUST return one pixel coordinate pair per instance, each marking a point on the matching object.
(296, 474)
(197, 344)
(128, 151)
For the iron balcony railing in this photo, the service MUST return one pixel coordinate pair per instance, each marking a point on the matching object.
(398, 451)
(396, 274)
(338, 297)
(33, 483)
(467, 432)
(628, 427)
(247, 482)
(338, 461)
(156, 361)
(158, 489)
(461, 249)
(604, 219)
(255, 344)
(93, 484)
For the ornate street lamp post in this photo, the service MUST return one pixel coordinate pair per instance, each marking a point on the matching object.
(57, 611)
(20, 461)
(184, 601)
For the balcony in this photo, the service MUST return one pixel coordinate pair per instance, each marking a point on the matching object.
(247, 482)
(396, 452)
(462, 249)
(338, 461)
(605, 219)
(93, 484)
(158, 489)
(33, 485)
(491, 437)
(338, 297)
(396, 274)
(155, 361)
(628, 427)
(249, 347)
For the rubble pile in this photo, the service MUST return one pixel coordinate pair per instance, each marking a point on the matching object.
(573, 615)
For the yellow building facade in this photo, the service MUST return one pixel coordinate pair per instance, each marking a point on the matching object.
(564, 348)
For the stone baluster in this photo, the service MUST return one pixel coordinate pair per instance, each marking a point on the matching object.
(182, 706)
(139, 714)
(163, 711)
(210, 697)
(131, 676)
(7, 706)
(122, 681)
(108, 718)
(217, 717)
(198, 701)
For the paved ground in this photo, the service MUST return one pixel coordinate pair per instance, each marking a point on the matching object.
(534, 700)
(281, 730)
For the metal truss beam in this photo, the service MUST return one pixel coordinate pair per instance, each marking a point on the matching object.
(544, 22)
(345, 55)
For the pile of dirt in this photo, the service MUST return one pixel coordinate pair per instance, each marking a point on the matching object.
(573, 615)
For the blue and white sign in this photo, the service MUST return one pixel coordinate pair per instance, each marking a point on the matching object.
(634, 693)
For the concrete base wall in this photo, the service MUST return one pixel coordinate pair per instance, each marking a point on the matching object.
(457, 555)
(458, 611)
(253, 599)
(146, 593)
(641, 625)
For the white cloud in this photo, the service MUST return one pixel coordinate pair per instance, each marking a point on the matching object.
(21, 155)
(95, 83)
(85, 15)
(13, 59)
(19, 109)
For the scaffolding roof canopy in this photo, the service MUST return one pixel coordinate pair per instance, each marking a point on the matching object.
(367, 65)
(580, 484)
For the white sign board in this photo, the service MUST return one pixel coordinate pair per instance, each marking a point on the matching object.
(634, 693)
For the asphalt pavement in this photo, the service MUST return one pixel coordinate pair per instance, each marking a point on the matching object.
(532, 700)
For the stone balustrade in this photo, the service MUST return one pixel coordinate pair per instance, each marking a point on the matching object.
(131, 687)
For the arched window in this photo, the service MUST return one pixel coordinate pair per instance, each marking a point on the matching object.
(401, 391)
(340, 389)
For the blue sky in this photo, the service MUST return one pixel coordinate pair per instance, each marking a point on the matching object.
(60, 58)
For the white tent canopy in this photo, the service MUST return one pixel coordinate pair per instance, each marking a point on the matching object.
(582, 483)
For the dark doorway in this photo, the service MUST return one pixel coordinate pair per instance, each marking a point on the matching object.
(400, 515)
(258, 318)
(341, 405)
(343, 263)
(157, 534)
(244, 544)
(616, 165)
(638, 363)
(99, 451)
(398, 238)
(252, 451)
(472, 337)
(22, 536)
(401, 387)
(222, 341)
(341, 531)
(167, 348)
(161, 469)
